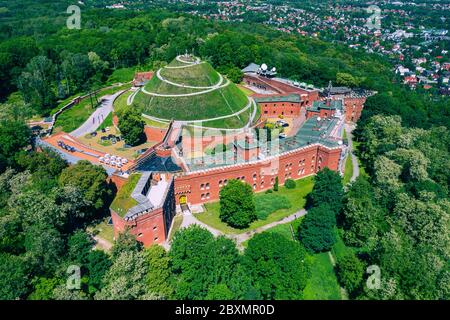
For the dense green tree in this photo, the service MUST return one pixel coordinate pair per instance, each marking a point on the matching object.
(346, 79)
(317, 231)
(159, 275)
(43, 288)
(131, 127)
(79, 247)
(361, 216)
(91, 180)
(126, 279)
(199, 261)
(125, 242)
(350, 272)
(237, 204)
(14, 136)
(235, 75)
(219, 292)
(276, 265)
(45, 249)
(13, 277)
(327, 190)
(36, 82)
(98, 263)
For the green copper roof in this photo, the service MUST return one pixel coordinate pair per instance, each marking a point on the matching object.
(284, 98)
(334, 105)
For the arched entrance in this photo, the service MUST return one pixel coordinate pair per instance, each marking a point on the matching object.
(183, 203)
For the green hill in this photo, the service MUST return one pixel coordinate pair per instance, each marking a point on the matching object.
(219, 97)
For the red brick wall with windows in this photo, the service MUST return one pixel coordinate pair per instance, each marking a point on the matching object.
(353, 108)
(203, 187)
(148, 228)
(274, 109)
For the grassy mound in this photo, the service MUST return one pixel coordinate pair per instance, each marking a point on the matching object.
(217, 103)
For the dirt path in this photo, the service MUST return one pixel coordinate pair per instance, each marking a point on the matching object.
(103, 244)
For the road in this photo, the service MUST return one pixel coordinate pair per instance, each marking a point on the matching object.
(97, 117)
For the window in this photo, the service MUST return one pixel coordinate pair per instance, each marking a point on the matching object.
(254, 176)
(140, 235)
(155, 227)
(266, 112)
(254, 186)
(225, 182)
(242, 178)
(220, 183)
(207, 195)
(203, 196)
(202, 186)
(320, 159)
(156, 239)
(207, 185)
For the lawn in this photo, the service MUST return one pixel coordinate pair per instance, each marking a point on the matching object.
(123, 200)
(348, 170)
(246, 91)
(322, 284)
(121, 75)
(103, 230)
(107, 122)
(176, 224)
(296, 198)
(120, 103)
(287, 230)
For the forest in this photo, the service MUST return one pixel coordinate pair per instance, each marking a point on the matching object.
(395, 216)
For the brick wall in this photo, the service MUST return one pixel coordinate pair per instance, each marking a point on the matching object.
(203, 187)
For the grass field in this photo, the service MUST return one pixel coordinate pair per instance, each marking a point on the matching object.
(121, 75)
(123, 200)
(296, 198)
(348, 170)
(103, 230)
(108, 122)
(177, 221)
(322, 284)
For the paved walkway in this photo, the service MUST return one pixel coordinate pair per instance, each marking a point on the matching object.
(97, 117)
(355, 174)
(190, 219)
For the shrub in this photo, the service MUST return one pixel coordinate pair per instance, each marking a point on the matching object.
(275, 186)
(290, 184)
